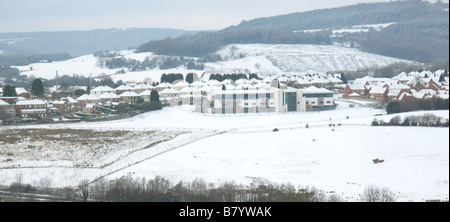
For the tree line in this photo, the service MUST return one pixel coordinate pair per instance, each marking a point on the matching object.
(412, 104)
(426, 120)
(161, 62)
(160, 189)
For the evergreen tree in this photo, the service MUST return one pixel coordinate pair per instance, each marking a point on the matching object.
(253, 76)
(190, 78)
(37, 89)
(9, 91)
(343, 78)
(441, 78)
(154, 96)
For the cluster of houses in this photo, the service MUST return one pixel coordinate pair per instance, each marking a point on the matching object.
(270, 94)
(413, 85)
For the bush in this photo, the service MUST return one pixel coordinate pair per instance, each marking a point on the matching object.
(395, 121)
(375, 122)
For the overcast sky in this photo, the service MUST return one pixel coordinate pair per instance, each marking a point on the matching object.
(65, 15)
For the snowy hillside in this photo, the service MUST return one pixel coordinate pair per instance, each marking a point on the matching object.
(290, 59)
(250, 58)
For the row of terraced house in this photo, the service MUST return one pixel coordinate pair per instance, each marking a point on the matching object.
(414, 85)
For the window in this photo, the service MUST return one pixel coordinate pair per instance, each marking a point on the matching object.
(245, 96)
(328, 102)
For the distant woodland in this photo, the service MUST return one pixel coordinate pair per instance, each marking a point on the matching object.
(420, 32)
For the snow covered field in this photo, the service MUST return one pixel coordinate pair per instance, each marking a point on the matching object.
(219, 148)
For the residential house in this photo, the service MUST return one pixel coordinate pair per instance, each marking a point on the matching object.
(66, 105)
(31, 108)
(109, 97)
(87, 99)
(98, 91)
(378, 93)
(360, 89)
(130, 96)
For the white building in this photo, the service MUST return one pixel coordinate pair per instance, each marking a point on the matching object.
(265, 100)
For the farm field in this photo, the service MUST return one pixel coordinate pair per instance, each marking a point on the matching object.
(178, 144)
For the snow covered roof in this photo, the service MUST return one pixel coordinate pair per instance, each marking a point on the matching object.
(59, 102)
(71, 100)
(144, 86)
(356, 86)
(354, 95)
(335, 80)
(3, 103)
(124, 87)
(403, 95)
(21, 90)
(164, 85)
(186, 89)
(30, 102)
(103, 89)
(181, 84)
(398, 86)
(210, 88)
(197, 84)
(315, 90)
(377, 90)
(213, 82)
(169, 91)
(145, 93)
(87, 97)
(129, 94)
(109, 95)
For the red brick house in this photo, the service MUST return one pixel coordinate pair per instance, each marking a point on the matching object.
(31, 108)
(378, 93)
(354, 88)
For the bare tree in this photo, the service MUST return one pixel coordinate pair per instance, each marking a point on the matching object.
(83, 189)
(373, 193)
